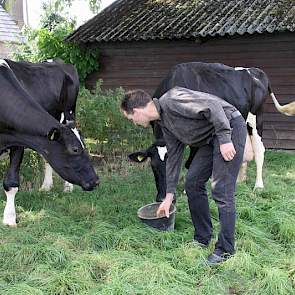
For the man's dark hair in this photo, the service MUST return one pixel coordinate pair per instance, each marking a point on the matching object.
(137, 98)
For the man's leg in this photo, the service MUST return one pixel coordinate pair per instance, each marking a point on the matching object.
(224, 178)
(195, 186)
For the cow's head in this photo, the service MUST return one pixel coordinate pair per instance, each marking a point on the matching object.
(158, 156)
(69, 136)
(66, 153)
(75, 168)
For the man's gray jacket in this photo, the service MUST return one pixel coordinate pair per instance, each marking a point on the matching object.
(192, 118)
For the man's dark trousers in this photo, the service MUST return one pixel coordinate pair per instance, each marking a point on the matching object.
(207, 162)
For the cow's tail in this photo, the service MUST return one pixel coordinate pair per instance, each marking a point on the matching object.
(287, 109)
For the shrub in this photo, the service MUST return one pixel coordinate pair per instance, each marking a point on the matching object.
(99, 117)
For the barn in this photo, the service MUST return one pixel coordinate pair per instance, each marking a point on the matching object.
(10, 32)
(140, 40)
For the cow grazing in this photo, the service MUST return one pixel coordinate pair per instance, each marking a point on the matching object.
(61, 82)
(245, 88)
(26, 122)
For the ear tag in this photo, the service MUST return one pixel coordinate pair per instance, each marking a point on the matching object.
(52, 135)
(140, 158)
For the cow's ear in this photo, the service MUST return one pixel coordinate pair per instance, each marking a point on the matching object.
(138, 157)
(53, 134)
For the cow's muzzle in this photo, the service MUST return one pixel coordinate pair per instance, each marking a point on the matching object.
(90, 185)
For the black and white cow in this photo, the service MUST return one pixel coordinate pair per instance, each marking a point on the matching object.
(29, 108)
(61, 82)
(245, 88)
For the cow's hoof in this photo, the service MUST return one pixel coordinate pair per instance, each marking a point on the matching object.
(241, 179)
(45, 188)
(9, 219)
(68, 188)
(259, 186)
(11, 224)
(14, 225)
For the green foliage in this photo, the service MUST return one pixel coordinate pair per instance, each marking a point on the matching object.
(99, 118)
(48, 42)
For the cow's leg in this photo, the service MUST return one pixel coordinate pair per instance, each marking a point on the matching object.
(48, 180)
(11, 184)
(68, 187)
(248, 156)
(69, 120)
(243, 172)
(9, 215)
(259, 150)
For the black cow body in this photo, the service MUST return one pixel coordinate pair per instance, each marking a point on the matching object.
(33, 96)
(61, 82)
(53, 85)
(245, 88)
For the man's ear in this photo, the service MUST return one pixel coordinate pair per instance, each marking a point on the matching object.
(136, 111)
(53, 134)
(138, 157)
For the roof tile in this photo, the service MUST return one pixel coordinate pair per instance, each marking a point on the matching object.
(133, 20)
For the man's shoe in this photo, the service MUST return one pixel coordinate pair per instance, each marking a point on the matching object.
(199, 244)
(215, 259)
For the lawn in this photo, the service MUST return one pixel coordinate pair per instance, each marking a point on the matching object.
(93, 243)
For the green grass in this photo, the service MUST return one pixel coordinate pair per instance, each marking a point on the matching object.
(93, 243)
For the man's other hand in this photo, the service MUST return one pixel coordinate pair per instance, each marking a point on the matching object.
(227, 151)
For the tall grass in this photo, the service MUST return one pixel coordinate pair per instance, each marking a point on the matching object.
(93, 243)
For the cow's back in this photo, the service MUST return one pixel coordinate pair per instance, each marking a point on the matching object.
(51, 84)
(234, 86)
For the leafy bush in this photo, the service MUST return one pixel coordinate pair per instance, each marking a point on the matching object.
(99, 117)
(43, 44)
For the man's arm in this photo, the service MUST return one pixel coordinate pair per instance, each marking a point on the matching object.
(216, 115)
(173, 166)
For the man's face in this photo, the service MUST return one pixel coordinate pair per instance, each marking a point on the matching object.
(138, 117)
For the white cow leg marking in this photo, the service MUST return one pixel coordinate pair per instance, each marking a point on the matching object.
(68, 187)
(248, 151)
(248, 156)
(48, 180)
(243, 172)
(259, 150)
(9, 215)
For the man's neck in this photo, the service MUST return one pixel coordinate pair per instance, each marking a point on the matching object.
(152, 111)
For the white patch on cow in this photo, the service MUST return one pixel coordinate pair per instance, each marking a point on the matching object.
(9, 215)
(68, 187)
(62, 117)
(257, 148)
(243, 172)
(162, 151)
(48, 180)
(241, 69)
(248, 151)
(76, 132)
(251, 120)
(247, 69)
(4, 63)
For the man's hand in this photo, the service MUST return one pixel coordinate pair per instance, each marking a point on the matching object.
(227, 151)
(165, 206)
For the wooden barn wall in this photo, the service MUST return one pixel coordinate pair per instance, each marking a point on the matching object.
(143, 64)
